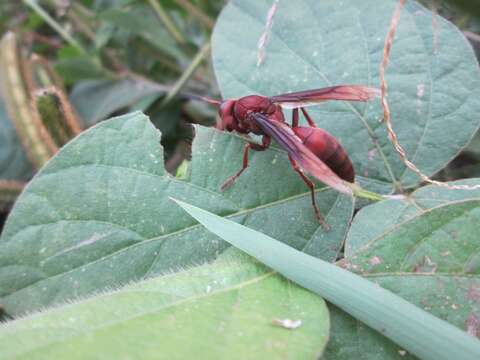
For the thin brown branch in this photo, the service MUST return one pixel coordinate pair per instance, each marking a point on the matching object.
(12, 185)
(263, 41)
(32, 36)
(196, 12)
(472, 36)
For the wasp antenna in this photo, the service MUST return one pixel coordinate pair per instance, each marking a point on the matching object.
(203, 98)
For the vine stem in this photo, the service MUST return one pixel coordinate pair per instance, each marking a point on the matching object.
(197, 60)
(165, 19)
(357, 191)
(387, 117)
(196, 12)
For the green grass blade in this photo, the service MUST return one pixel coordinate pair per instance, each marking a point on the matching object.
(412, 328)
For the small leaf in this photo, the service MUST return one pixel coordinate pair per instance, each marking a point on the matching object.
(95, 100)
(74, 68)
(224, 309)
(141, 21)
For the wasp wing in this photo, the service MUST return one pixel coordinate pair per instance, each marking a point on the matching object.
(314, 97)
(307, 160)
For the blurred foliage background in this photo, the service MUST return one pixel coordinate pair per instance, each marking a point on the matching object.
(66, 65)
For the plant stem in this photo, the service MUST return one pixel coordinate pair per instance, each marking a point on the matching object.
(196, 12)
(472, 36)
(82, 9)
(365, 194)
(197, 60)
(55, 25)
(9, 190)
(164, 18)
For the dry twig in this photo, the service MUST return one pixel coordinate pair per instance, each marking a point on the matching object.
(386, 109)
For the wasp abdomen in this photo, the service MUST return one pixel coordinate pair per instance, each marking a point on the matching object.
(328, 149)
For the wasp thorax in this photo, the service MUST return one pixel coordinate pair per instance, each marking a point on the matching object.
(253, 103)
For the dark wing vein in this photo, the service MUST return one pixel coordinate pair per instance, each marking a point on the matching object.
(312, 97)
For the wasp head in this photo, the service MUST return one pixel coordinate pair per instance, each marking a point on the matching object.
(227, 119)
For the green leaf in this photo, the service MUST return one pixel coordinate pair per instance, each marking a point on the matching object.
(375, 220)
(434, 87)
(95, 100)
(141, 21)
(474, 146)
(432, 260)
(98, 214)
(14, 164)
(75, 68)
(224, 309)
(409, 326)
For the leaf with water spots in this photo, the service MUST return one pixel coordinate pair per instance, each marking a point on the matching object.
(99, 215)
(433, 76)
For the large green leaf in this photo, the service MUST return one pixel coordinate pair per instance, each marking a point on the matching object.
(432, 259)
(375, 220)
(98, 215)
(433, 77)
(14, 164)
(220, 310)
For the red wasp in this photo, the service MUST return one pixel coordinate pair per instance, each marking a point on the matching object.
(309, 148)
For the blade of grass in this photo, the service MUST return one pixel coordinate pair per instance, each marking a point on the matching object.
(414, 329)
(169, 25)
(197, 60)
(196, 12)
(55, 25)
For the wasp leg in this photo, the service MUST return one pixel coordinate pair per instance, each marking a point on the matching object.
(257, 147)
(311, 186)
(295, 118)
(308, 117)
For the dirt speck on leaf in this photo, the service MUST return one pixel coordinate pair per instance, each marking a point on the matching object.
(472, 325)
(473, 293)
(426, 265)
(375, 260)
(420, 90)
(287, 323)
